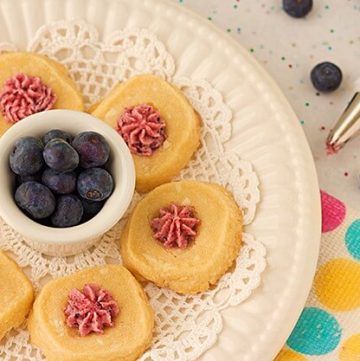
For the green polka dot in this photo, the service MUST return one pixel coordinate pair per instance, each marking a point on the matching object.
(352, 239)
(316, 333)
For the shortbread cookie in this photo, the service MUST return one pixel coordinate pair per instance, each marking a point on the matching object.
(158, 124)
(183, 235)
(98, 314)
(31, 83)
(16, 295)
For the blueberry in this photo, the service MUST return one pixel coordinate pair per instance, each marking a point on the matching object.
(95, 184)
(60, 155)
(36, 199)
(26, 157)
(91, 208)
(68, 213)
(326, 77)
(93, 149)
(20, 179)
(61, 183)
(57, 133)
(297, 8)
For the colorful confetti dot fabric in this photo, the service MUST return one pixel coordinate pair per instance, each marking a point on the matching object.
(329, 326)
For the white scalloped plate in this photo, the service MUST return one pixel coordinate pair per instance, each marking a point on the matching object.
(265, 132)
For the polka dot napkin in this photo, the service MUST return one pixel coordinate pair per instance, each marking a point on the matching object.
(329, 326)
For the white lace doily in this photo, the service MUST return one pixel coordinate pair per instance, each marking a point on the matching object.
(186, 326)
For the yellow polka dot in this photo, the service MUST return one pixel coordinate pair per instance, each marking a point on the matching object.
(350, 350)
(337, 284)
(288, 355)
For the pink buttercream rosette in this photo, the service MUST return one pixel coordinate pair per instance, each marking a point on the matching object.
(90, 310)
(142, 129)
(24, 95)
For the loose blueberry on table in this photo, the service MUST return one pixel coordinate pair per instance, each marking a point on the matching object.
(59, 179)
(326, 77)
(297, 8)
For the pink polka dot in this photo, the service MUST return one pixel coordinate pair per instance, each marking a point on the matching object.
(333, 212)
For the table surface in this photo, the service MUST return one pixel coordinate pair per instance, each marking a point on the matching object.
(289, 48)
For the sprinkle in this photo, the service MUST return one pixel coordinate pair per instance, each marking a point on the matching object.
(290, 66)
(307, 104)
(228, 30)
(251, 50)
(346, 174)
(209, 18)
(283, 58)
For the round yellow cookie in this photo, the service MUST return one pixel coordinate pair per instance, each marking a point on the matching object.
(181, 121)
(51, 73)
(16, 295)
(130, 336)
(208, 256)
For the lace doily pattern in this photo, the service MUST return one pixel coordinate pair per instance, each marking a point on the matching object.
(41, 266)
(186, 326)
(96, 66)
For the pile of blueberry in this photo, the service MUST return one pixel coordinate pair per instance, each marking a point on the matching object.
(61, 180)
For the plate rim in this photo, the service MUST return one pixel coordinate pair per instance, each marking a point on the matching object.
(298, 298)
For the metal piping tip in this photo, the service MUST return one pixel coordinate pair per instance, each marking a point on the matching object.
(346, 127)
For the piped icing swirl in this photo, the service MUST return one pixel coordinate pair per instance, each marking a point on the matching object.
(24, 95)
(176, 226)
(90, 310)
(142, 129)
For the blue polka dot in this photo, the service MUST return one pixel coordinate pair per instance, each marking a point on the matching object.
(316, 333)
(352, 239)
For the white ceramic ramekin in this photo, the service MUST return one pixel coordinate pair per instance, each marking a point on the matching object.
(72, 240)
